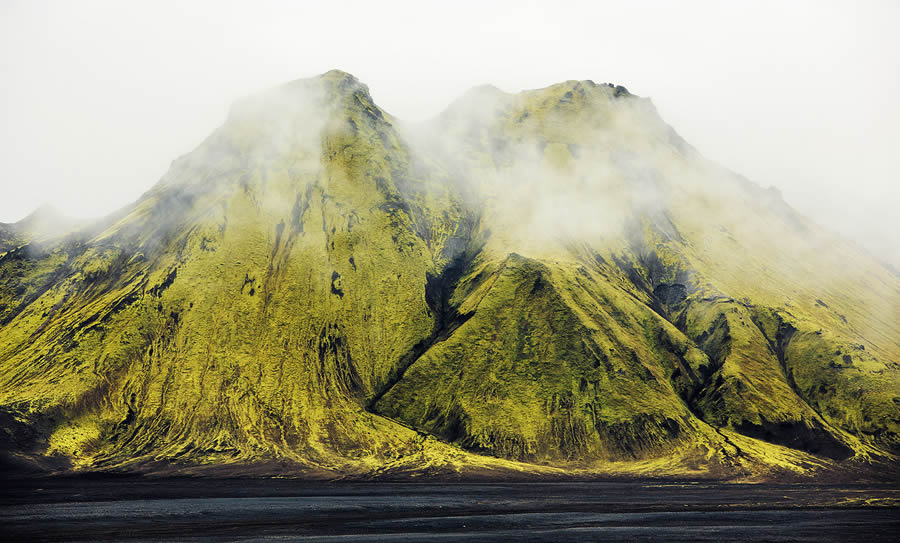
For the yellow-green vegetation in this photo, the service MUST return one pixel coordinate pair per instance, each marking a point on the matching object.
(551, 283)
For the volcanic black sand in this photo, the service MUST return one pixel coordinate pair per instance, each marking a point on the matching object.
(133, 509)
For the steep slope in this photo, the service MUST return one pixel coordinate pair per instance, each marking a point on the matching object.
(628, 197)
(553, 278)
(246, 306)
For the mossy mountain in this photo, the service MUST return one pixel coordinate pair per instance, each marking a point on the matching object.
(545, 283)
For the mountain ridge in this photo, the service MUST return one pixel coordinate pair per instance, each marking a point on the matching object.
(545, 283)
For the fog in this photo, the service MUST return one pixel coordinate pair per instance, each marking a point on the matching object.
(98, 98)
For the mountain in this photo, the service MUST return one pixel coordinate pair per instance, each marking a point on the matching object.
(43, 223)
(547, 283)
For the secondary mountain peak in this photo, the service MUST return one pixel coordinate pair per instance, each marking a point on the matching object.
(44, 223)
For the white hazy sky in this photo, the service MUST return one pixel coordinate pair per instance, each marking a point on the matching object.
(98, 98)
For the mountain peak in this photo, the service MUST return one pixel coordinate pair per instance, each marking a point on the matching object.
(306, 97)
(45, 219)
(45, 222)
(338, 75)
(42, 212)
(342, 83)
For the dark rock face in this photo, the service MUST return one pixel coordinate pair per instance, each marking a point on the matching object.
(670, 294)
(817, 441)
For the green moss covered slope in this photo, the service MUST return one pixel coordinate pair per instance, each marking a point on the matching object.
(546, 283)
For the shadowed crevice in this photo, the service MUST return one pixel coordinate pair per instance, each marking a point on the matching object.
(447, 318)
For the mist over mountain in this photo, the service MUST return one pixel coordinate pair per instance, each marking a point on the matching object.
(545, 283)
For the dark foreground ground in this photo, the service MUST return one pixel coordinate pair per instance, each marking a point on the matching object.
(133, 509)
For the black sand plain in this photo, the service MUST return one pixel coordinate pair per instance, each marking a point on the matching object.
(196, 509)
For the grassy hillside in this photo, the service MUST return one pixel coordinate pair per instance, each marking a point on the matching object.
(546, 283)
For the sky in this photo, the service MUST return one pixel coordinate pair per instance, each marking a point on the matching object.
(98, 98)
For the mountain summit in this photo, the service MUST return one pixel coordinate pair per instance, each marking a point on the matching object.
(545, 283)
